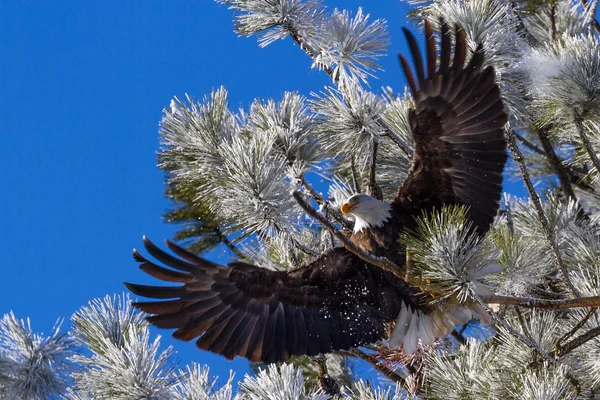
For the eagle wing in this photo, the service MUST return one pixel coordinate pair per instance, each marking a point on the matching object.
(457, 126)
(335, 302)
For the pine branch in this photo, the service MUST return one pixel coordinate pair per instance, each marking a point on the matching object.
(578, 341)
(528, 341)
(587, 144)
(593, 19)
(518, 157)
(527, 143)
(509, 220)
(374, 189)
(325, 204)
(225, 240)
(574, 330)
(312, 53)
(533, 42)
(355, 180)
(326, 383)
(543, 304)
(552, 33)
(555, 162)
(380, 262)
(375, 363)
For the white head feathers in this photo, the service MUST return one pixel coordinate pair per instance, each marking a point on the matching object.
(367, 211)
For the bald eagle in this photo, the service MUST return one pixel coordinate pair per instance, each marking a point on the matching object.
(339, 301)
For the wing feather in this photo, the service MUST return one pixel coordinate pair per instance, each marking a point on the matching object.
(243, 310)
(457, 125)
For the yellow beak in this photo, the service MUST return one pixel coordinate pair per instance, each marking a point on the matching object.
(346, 208)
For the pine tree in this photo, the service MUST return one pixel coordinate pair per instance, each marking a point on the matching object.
(244, 180)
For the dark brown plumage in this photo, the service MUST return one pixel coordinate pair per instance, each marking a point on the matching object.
(338, 301)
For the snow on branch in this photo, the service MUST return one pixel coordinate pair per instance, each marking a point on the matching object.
(345, 46)
(33, 366)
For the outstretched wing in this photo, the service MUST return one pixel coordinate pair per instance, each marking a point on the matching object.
(457, 125)
(336, 302)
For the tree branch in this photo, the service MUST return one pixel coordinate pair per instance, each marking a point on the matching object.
(509, 220)
(225, 240)
(527, 143)
(380, 262)
(579, 341)
(587, 144)
(593, 19)
(378, 365)
(518, 157)
(577, 326)
(374, 189)
(521, 26)
(529, 342)
(543, 304)
(326, 205)
(552, 33)
(355, 181)
(555, 162)
(312, 53)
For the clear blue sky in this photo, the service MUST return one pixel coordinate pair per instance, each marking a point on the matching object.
(82, 88)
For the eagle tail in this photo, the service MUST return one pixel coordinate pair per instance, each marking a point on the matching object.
(416, 326)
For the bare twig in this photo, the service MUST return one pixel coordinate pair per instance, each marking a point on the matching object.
(555, 162)
(543, 304)
(459, 335)
(305, 249)
(395, 138)
(550, 237)
(380, 262)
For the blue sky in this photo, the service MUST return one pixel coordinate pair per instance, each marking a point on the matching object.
(82, 88)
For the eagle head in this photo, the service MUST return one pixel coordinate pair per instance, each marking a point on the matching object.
(367, 211)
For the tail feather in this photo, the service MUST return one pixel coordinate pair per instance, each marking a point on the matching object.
(415, 326)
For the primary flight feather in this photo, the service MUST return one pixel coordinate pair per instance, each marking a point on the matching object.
(339, 301)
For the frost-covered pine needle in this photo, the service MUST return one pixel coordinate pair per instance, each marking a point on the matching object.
(347, 121)
(351, 45)
(196, 384)
(565, 80)
(362, 390)
(491, 23)
(278, 383)
(273, 20)
(33, 366)
(253, 189)
(292, 125)
(466, 375)
(449, 258)
(108, 319)
(548, 382)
